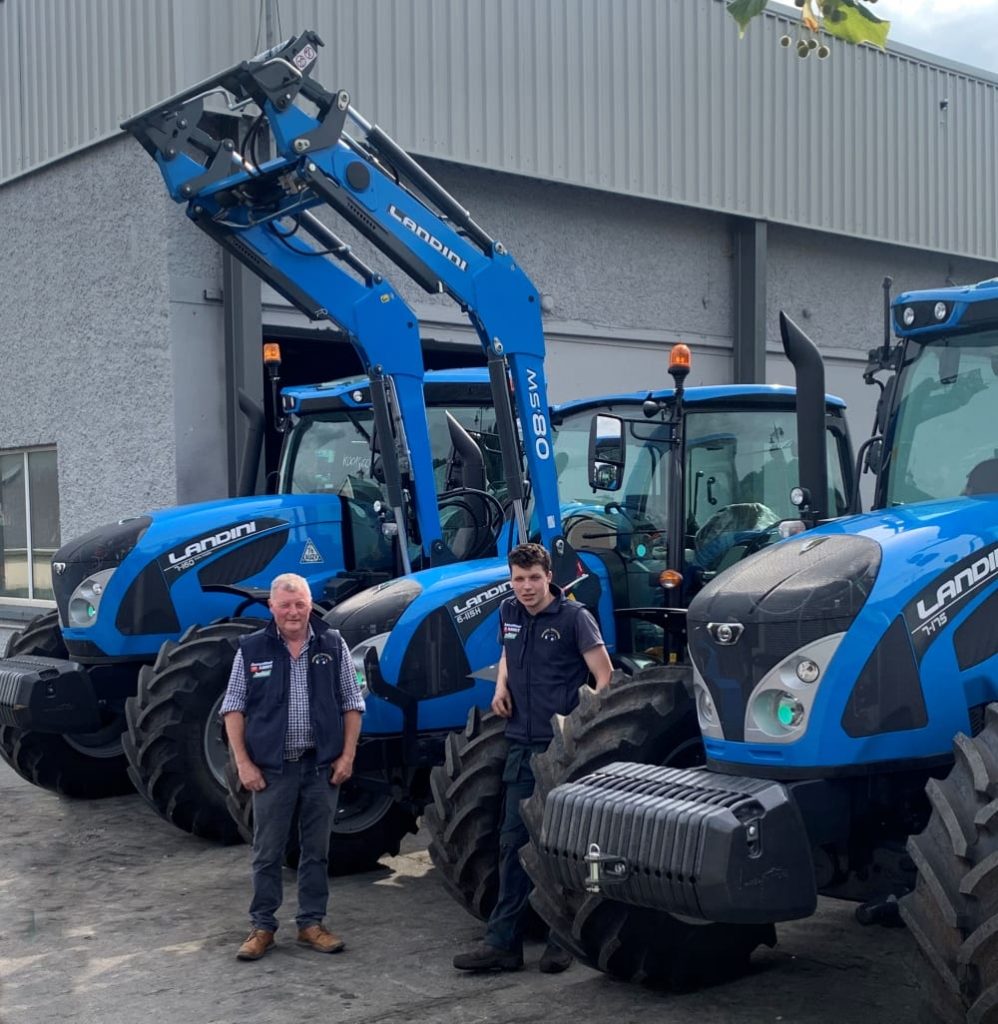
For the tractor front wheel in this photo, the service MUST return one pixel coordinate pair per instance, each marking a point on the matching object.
(648, 719)
(464, 817)
(953, 911)
(174, 742)
(86, 766)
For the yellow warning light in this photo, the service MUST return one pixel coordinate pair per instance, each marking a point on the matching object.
(669, 578)
(680, 358)
(271, 353)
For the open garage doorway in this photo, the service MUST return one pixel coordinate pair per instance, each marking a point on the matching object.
(313, 357)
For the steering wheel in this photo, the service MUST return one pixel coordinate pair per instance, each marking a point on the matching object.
(748, 523)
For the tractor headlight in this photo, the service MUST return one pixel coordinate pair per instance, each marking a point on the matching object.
(359, 654)
(706, 712)
(84, 602)
(779, 706)
(789, 710)
(808, 670)
(777, 713)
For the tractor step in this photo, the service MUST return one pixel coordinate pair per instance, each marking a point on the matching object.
(689, 841)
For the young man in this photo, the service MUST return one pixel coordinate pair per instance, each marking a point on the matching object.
(549, 645)
(292, 715)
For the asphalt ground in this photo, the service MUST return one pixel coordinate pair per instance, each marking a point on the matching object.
(110, 915)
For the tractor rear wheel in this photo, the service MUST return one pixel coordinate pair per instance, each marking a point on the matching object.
(648, 719)
(463, 819)
(174, 740)
(953, 911)
(86, 766)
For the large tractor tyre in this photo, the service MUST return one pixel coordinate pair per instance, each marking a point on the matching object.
(41, 637)
(86, 765)
(368, 824)
(463, 819)
(174, 740)
(649, 719)
(953, 910)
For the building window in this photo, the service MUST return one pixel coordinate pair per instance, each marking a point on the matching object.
(29, 521)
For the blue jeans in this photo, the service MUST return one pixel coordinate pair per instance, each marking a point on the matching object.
(507, 921)
(304, 787)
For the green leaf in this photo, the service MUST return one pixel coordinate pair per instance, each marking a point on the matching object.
(852, 22)
(743, 11)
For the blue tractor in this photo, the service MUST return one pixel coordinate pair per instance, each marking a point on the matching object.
(842, 682)
(707, 472)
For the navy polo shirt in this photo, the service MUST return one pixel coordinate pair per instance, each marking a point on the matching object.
(544, 662)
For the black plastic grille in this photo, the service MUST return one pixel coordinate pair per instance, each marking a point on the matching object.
(103, 548)
(785, 597)
(888, 695)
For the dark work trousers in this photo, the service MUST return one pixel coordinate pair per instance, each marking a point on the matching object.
(508, 920)
(302, 786)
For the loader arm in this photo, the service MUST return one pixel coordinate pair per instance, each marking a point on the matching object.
(384, 194)
(275, 236)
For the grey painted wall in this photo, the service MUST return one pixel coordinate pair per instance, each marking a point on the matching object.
(84, 318)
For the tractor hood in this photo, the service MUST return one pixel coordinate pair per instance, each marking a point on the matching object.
(865, 597)
(151, 573)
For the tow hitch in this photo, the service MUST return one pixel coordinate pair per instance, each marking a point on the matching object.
(604, 869)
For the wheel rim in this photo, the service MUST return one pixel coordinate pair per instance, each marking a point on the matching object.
(216, 751)
(103, 744)
(358, 809)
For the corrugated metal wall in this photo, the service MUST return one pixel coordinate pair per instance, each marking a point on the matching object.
(653, 98)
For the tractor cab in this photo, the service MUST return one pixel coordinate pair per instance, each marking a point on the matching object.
(667, 498)
(331, 447)
(940, 440)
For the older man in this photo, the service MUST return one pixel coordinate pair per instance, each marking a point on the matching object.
(292, 715)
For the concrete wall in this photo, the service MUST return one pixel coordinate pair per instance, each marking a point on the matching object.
(84, 323)
(196, 335)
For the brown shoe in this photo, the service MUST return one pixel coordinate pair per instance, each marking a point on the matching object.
(321, 940)
(257, 943)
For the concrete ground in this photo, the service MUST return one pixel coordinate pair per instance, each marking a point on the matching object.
(111, 915)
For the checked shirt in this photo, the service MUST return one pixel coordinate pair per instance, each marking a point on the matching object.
(299, 736)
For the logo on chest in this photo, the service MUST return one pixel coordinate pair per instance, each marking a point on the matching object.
(261, 669)
(510, 631)
(550, 635)
(321, 659)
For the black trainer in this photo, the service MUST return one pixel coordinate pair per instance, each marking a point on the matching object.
(554, 960)
(488, 958)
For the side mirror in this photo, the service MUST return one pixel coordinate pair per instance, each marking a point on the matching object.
(874, 454)
(606, 453)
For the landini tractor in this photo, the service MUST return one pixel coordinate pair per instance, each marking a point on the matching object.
(842, 681)
(707, 472)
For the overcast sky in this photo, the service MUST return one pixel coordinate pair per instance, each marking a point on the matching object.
(962, 30)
